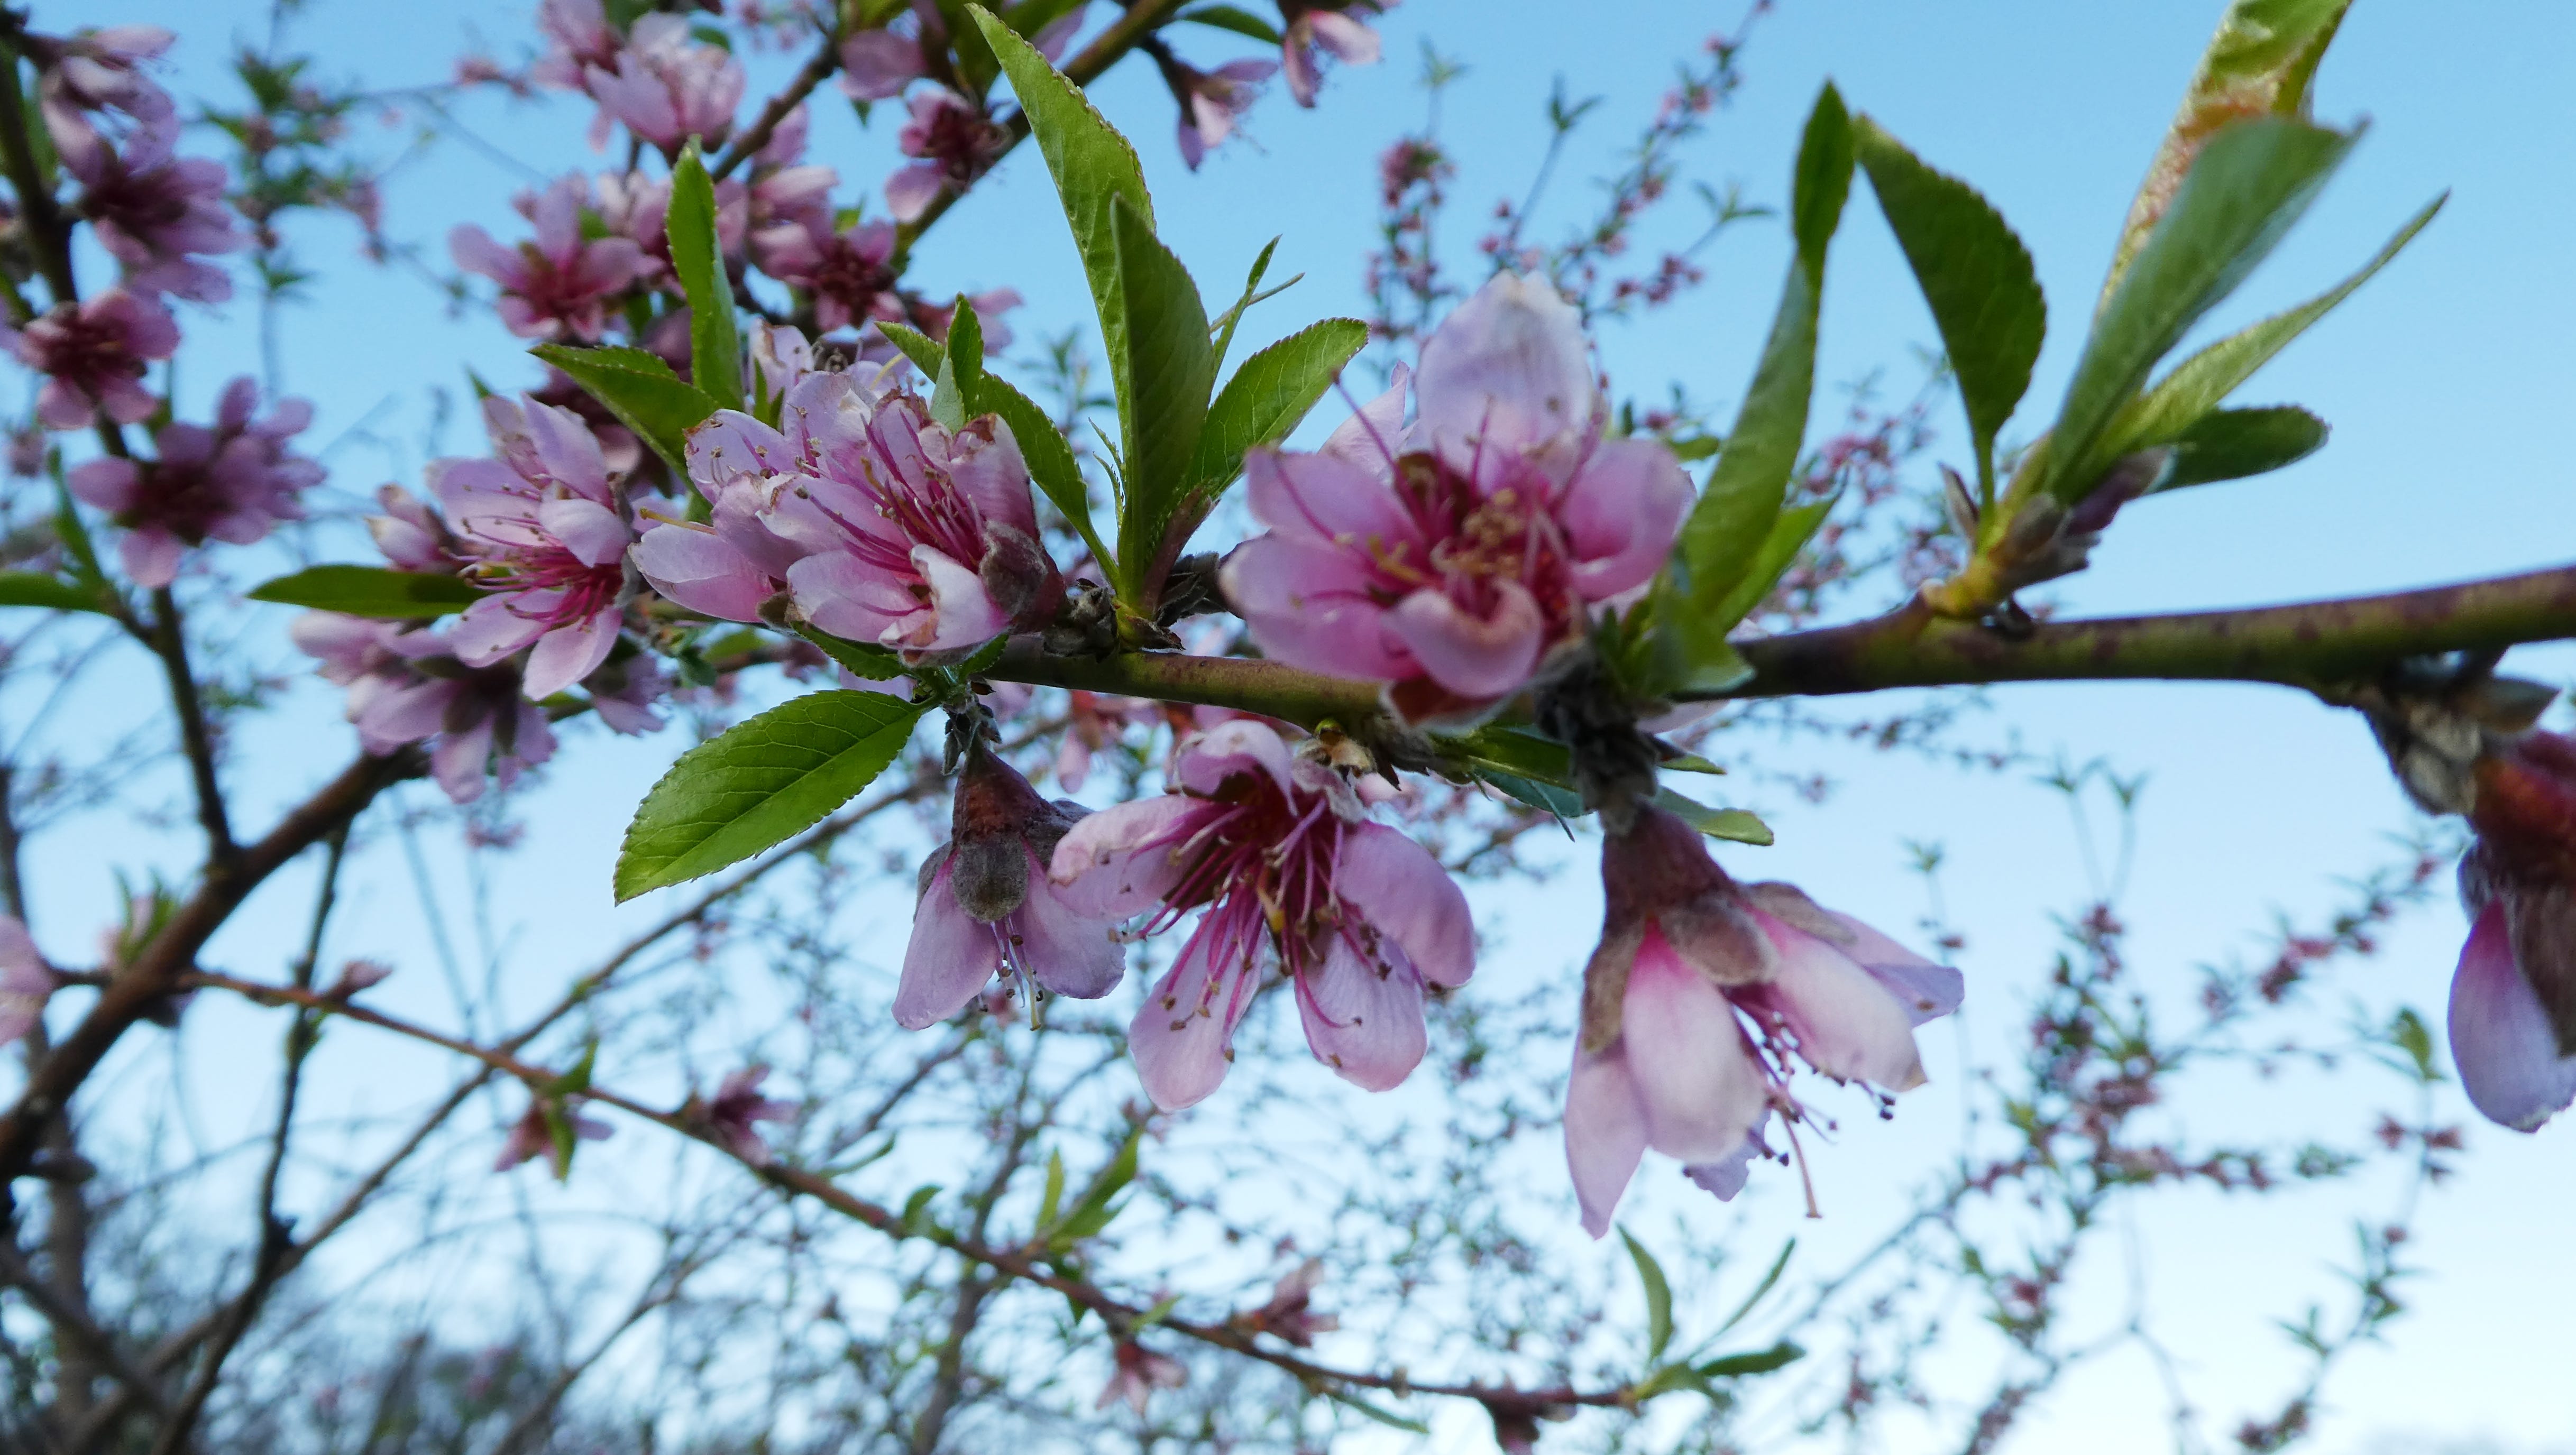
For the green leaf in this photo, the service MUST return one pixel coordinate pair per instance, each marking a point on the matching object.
(370, 591)
(2407, 1030)
(976, 66)
(1093, 1211)
(961, 368)
(2198, 383)
(1385, 1417)
(1049, 458)
(1659, 1297)
(1545, 797)
(1268, 396)
(760, 783)
(1976, 275)
(927, 354)
(1092, 165)
(30, 588)
(861, 659)
(1726, 530)
(2260, 63)
(1166, 373)
(1779, 1265)
(1054, 1194)
(1790, 531)
(916, 1209)
(1761, 1361)
(1225, 322)
(697, 256)
(2252, 182)
(1241, 22)
(1732, 824)
(2230, 444)
(642, 392)
(74, 533)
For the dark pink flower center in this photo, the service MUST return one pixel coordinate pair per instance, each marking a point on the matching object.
(930, 511)
(1476, 540)
(587, 590)
(1263, 860)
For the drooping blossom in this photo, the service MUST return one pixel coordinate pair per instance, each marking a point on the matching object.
(666, 87)
(155, 212)
(885, 526)
(559, 283)
(533, 1136)
(405, 685)
(2513, 1001)
(1140, 1372)
(549, 540)
(987, 907)
(730, 1115)
(956, 143)
(1447, 556)
(626, 694)
(578, 37)
(232, 482)
(1211, 101)
(1332, 27)
(1701, 999)
(26, 981)
(98, 73)
(93, 355)
(1361, 919)
(849, 273)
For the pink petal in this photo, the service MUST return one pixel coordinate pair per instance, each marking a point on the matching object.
(1605, 1134)
(489, 630)
(1182, 1039)
(459, 760)
(1363, 1020)
(1329, 501)
(476, 252)
(1345, 37)
(1397, 886)
(1309, 605)
(151, 555)
(1118, 862)
(1621, 513)
(567, 654)
(588, 529)
(1067, 951)
(1475, 657)
(963, 611)
(846, 598)
(951, 956)
(877, 64)
(1699, 1084)
(1726, 1176)
(990, 473)
(1509, 368)
(2501, 1037)
(702, 572)
(108, 483)
(1847, 1023)
(1239, 745)
(910, 190)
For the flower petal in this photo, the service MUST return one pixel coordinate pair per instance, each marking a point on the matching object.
(1472, 656)
(1237, 745)
(1183, 1037)
(950, 957)
(1620, 514)
(588, 529)
(1398, 887)
(1364, 1020)
(703, 572)
(2501, 1036)
(1509, 368)
(1308, 605)
(1329, 501)
(1066, 950)
(1699, 1084)
(1605, 1134)
(1118, 862)
(1848, 1024)
(567, 654)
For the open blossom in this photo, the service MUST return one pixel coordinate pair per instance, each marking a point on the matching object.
(94, 73)
(232, 482)
(155, 212)
(558, 284)
(532, 1135)
(877, 64)
(730, 1116)
(26, 981)
(578, 37)
(666, 88)
(1445, 557)
(549, 541)
(885, 526)
(406, 686)
(1360, 918)
(1332, 27)
(1290, 1313)
(1211, 101)
(93, 355)
(1140, 1371)
(987, 907)
(784, 186)
(849, 272)
(2513, 1002)
(1701, 996)
(956, 143)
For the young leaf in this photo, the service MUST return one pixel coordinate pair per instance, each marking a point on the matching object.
(1761, 1361)
(1545, 797)
(766, 779)
(1166, 373)
(1790, 531)
(1049, 458)
(2258, 64)
(1779, 1265)
(1269, 395)
(2230, 444)
(1732, 824)
(1386, 1417)
(30, 588)
(1092, 166)
(370, 591)
(1726, 529)
(1225, 322)
(2198, 383)
(961, 364)
(642, 392)
(2252, 182)
(1975, 274)
(1659, 1297)
(925, 352)
(864, 660)
(715, 341)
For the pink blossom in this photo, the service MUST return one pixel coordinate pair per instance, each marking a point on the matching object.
(730, 1115)
(1140, 1372)
(987, 907)
(406, 686)
(877, 64)
(666, 89)
(1332, 27)
(1092, 722)
(578, 37)
(94, 73)
(884, 526)
(232, 483)
(1290, 1313)
(532, 1135)
(1446, 557)
(549, 538)
(848, 273)
(1702, 992)
(26, 981)
(956, 142)
(785, 188)
(1277, 848)
(93, 356)
(153, 211)
(559, 283)
(2513, 1001)
(626, 694)
(1211, 101)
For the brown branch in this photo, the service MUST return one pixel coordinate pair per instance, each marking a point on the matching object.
(168, 639)
(825, 60)
(48, 231)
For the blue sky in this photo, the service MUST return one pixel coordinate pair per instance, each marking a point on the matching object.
(2441, 379)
